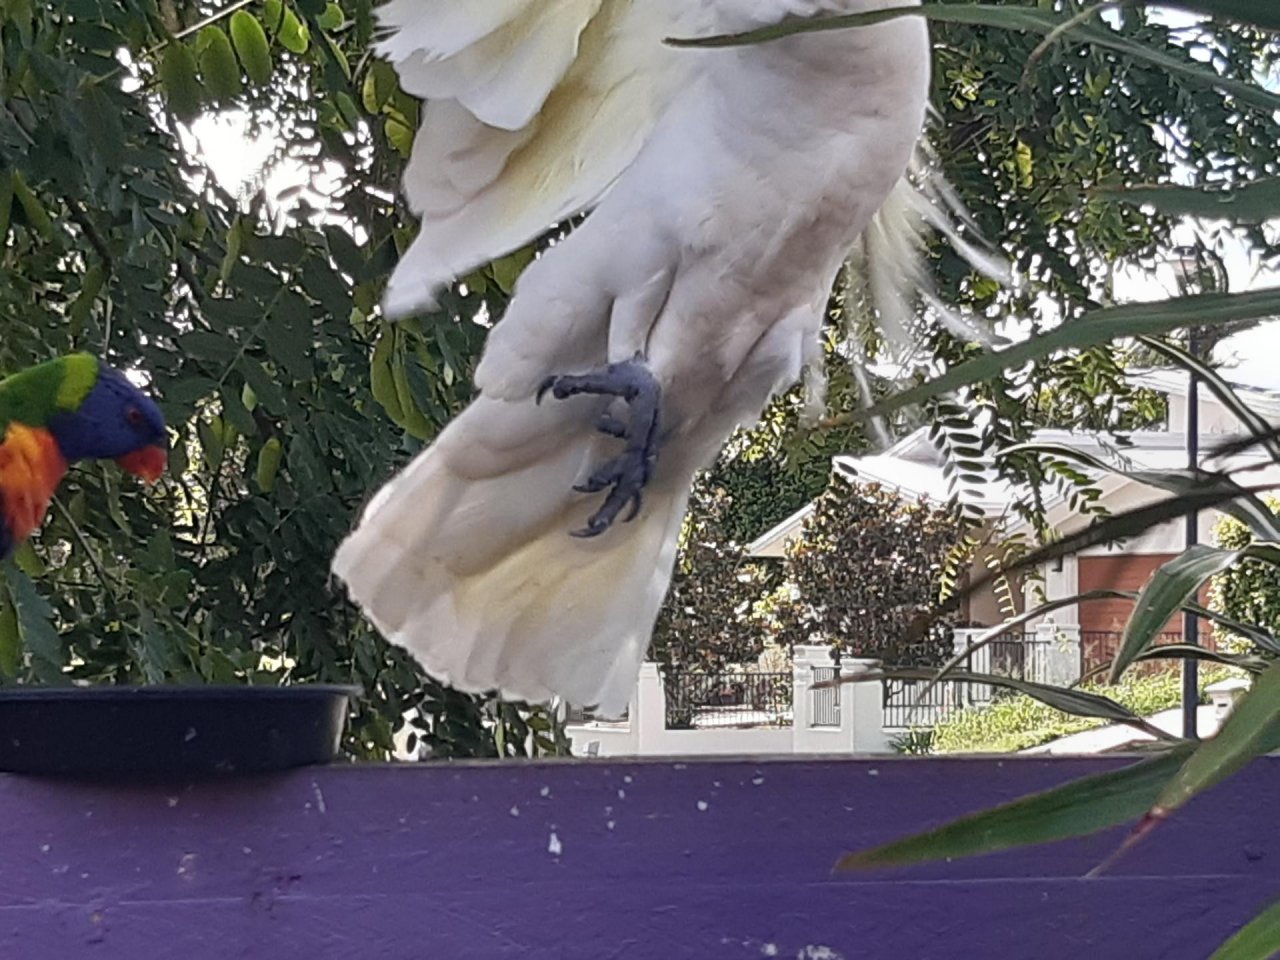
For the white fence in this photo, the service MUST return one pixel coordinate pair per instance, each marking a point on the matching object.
(848, 718)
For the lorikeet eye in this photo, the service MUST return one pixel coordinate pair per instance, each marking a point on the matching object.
(134, 416)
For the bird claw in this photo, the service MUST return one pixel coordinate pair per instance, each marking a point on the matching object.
(628, 473)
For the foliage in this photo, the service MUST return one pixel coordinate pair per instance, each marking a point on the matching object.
(1250, 591)
(868, 565)
(703, 622)
(916, 742)
(253, 314)
(764, 488)
(1241, 52)
(1014, 723)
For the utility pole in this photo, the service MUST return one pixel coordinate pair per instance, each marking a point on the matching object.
(1190, 622)
(1195, 271)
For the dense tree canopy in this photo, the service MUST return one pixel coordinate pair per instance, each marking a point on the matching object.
(255, 322)
(867, 567)
(254, 314)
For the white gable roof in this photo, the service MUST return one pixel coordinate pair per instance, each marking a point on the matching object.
(913, 465)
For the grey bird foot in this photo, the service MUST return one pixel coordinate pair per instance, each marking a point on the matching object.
(629, 472)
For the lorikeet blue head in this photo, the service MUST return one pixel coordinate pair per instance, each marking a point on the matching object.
(68, 409)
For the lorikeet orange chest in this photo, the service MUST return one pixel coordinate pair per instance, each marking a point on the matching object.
(68, 409)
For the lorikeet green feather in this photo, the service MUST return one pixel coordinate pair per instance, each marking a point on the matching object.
(68, 409)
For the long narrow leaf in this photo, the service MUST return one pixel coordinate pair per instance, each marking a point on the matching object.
(1250, 730)
(1005, 17)
(1257, 940)
(1256, 635)
(1116, 527)
(1171, 586)
(1189, 651)
(1260, 13)
(1094, 328)
(1255, 202)
(1234, 445)
(993, 634)
(1075, 809)
(1077, 703)
(1119, 526)
(1247, 507)
(1257, 426)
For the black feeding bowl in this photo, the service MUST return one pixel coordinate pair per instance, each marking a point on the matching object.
(161, 730)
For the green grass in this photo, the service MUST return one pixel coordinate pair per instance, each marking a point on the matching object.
(1018, 722)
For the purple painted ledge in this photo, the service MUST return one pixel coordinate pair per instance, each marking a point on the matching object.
(663, 859)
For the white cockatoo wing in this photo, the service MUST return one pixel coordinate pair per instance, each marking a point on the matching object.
(533, 108)
(726, 188)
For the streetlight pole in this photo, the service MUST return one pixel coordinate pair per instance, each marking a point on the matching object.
(1192, 270)
(1190, 622)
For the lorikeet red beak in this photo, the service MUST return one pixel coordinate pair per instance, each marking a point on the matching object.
(148, 463)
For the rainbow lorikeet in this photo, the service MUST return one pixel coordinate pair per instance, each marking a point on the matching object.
(64, 410)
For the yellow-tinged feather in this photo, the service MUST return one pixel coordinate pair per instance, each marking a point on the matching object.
(80, 373)
(484, 191)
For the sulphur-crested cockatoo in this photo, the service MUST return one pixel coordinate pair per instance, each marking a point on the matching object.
(527, 551)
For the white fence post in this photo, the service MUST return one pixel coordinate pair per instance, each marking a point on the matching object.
(1058, 658)
(805, 737)
(862, 708)
(649, 715)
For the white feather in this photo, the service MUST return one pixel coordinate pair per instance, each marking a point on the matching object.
(728, 187)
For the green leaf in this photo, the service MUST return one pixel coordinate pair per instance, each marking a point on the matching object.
(1172, 585)
(235, 241)
(101, 121)
(399, 135)
(10, 635)
(1077, 703)
(1261, 13)
(1188, 651)
(1258, 427)
(1005, 17)
(1247, 507)
(1094, 328)
(35, 624)
(210, 432)
(293, 35)
(218, 64)
(272, 15)
(382, 378)
(1250, 730)
(37, 217)
(332, 18)
(379, 86)
(506, 270)
(269, 458)
(347, 107)
(236, 413)
(6, 205)
(250, 41)
(1257, 940)
(1118, 526)
(94, 279)
(178, 79)
(288, 335)
(1255, 202)
(1075, 809)
(264, 385)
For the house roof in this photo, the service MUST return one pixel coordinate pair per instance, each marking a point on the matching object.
(914, 466)
(1174, 382)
